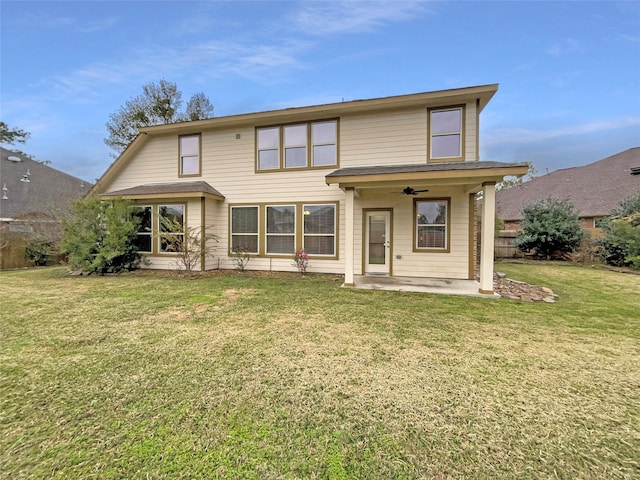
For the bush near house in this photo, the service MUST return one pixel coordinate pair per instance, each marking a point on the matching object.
(100, 237)
(549, 226)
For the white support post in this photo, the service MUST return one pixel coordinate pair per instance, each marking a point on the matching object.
(486, 235)
(348, 238)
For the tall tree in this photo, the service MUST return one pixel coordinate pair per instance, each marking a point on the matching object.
(199, 107)
(159, 104)
(12, 135)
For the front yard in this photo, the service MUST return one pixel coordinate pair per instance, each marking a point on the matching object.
(245, 376)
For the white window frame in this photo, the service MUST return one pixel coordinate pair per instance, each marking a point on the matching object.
(184, 156)
(459, 133)
(256, 234)
(279, 234)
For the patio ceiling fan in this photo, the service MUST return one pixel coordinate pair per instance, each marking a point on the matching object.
(411, 191)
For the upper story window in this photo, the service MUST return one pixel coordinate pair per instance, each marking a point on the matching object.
(445, 133)
(190, 156)
(304, 145)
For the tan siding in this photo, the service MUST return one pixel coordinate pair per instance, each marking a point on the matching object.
(390, 138)
(471, 131)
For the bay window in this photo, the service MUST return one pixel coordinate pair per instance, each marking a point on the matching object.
(170, 228)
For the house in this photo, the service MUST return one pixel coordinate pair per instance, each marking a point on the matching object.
(594, 189)
(33, 199)
(384, 186)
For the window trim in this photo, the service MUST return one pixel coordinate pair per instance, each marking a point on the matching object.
(309, 146)
(461, 132)
(447, 236)
(180, 156)
(294, 234)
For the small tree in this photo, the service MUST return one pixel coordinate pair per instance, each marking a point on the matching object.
(549, 226)
(191, 245)
(512, 181)
(100, 237)
(621, 242)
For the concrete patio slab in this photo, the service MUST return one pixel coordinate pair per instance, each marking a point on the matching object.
(445, 286)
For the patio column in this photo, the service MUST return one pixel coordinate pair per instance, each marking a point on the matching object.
(348, 238)
(486, 235)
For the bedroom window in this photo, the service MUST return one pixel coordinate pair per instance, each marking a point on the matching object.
(431, 232)
(145, 233)
(304, 145)
(170, 228)
(281, 229)
(244, 229)
(445, 133)
(319, 229)
(189, 155)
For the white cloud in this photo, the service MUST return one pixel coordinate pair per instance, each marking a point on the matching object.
(513, 136)
(328, 18)
(564, 47)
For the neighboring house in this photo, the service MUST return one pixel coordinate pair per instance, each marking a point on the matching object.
(369, 187)
(594, 189)
(33, 199)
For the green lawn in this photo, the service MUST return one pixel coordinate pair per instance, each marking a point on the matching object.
(245, 376)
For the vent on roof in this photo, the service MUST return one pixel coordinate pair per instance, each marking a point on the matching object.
(635, 170)
(13, 158)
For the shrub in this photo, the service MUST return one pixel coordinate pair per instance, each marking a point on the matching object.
(241, 257)
(40, 252)
(549, 226)
(100, 237)
(621, 241)
(191, 245)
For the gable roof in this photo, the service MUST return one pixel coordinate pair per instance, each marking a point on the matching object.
(482, 94)
(594, 189)
(47, 190)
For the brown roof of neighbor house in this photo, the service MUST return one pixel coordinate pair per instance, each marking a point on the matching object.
(176, 189)
(594, 189)
(31, 187)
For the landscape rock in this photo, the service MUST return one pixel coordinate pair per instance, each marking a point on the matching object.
(521, 291)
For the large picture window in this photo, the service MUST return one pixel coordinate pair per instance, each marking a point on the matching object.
(171, 227)
(281, 229)
(431, 225)
(190, 155)
(244, 229)
(305, 145)
(445, 131)
(319, 229)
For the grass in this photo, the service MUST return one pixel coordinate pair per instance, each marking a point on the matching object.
(242, 376)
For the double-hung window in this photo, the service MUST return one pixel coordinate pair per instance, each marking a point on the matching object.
(303, 145)
(189, 155)
(432, 224)
(319, 229)
(445, 133)
(145, 233)
(244, 229)
(171, 228)
(281, 229)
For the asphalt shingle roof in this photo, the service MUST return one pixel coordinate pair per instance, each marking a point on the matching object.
(594, 189)
(47, 191)
(166, 188)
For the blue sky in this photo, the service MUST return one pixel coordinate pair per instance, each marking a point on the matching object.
(569, 72)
